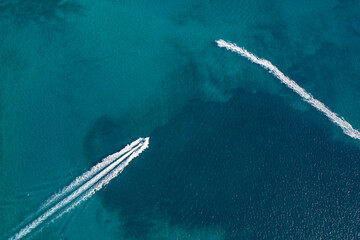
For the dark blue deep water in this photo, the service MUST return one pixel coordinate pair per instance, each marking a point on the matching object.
(252, 166)
(233, 153)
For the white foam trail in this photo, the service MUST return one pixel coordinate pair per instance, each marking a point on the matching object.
(87, 175)
(105, 180)
(80, 180)
(307, 97)
(26, 230)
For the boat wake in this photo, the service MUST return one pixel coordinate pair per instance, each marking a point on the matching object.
(306, 96)
(86, 185)
(87, 175)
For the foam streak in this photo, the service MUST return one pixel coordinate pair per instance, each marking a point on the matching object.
(26, 230)
(104, 181)
(78, 181)
(307, 97)
(87, 175)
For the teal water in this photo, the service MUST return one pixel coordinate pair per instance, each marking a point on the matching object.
(233, 153)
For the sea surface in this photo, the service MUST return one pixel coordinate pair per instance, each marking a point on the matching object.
(234, 154)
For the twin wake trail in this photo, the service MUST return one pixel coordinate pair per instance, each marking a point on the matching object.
(104, 181)
(307, 97)
(80, 180)
(87, 175)
(93, 184)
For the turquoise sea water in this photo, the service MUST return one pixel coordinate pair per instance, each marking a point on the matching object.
(234, 154)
